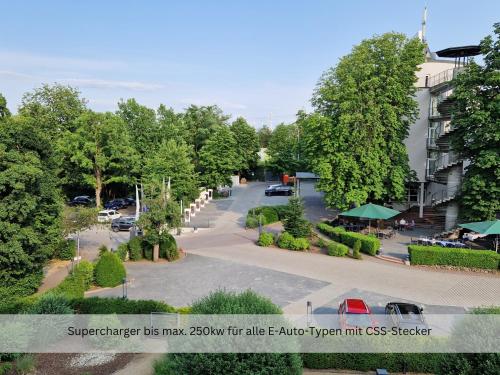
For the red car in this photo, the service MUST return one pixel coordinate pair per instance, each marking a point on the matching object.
(354, 313)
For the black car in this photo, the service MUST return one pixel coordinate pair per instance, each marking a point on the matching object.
(122, 223)
(116, 204)
(130, 201)
(405, 314)
(83, 200)
(279, 190)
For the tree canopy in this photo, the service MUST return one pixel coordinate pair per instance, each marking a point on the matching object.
(364, 107)
(247, 144)
(476, 135)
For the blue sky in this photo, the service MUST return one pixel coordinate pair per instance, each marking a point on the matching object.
(258, 59)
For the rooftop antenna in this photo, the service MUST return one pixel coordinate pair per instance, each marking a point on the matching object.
(424, 24)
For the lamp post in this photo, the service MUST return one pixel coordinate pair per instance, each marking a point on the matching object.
(124, 288)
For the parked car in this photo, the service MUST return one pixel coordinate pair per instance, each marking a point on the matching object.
(405, 314)
(130, 201)
(106, 216)
(82, 200)
(122, 223)
(278, 190)
(355, 312)
(116, 204)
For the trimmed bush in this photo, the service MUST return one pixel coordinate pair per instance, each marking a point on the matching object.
(270, 214)
(337, 249)
(355, 249)
(147, 250)
(97, 305)
(168, 247)
(300, 244)
(109, 270)
(77, 282)
(66, 250)
(436, 255)
(122, 251)
(222, 363)
(285, 240)
(252, 221)
(369, 244)
(135, 248)
(22, 288)
(266, 239)
(281, 210)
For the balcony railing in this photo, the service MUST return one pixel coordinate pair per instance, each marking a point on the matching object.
(436, 101)
(443, 161)
(444, 76)
(445, 195)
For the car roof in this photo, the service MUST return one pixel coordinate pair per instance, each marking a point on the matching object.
(405, 307)
(356, 306)
(106, 211)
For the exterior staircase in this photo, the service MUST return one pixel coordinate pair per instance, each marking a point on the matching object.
(433, 218)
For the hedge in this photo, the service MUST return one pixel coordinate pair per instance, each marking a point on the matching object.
(135, 248)
(337, 249)
(369, 245)
(266, 239)
(267, 214)
(21, 288)
(122, 251)
(168, 247)
(287, 241)
(393, 362)
(98, 305)
(77, 282)
(109, 270)
(66, 249)
(436, 255)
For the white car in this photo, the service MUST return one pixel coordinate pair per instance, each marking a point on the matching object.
(106, 216)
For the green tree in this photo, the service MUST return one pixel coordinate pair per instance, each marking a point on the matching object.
(247, 144)
(30, 204)
(218, 158)
(4, 111)
(171, 125)
(294, 221)
(141, 124)
(54, 108)
(99, 151)
(264, 135)
(283, 148)
(365, 106)
(173, 160)
(476, 111)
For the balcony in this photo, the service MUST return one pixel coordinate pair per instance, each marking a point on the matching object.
(444, 196)
(444, 76)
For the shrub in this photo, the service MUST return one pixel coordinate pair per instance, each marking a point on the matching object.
(369, 244)
(109, 270)
(5, 368)
(98, 305)
(77, 282)
(436, 255)
(147, 250)
(266, 239)
(122, 251)
(50, 303)
(337, 249)
(356, 248)
(66, 250)
(135, 248)
(25, 364)
(300, 244)
(103, 249)
(168, 247)
(23, 287)
(243, 363)
(285, 240)
(281, 210)
(294, 221)
(269, 214)
(252, 222)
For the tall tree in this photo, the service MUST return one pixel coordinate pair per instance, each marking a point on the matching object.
(247, 144)
(173, 160)
(30, 204)
(368, 104)
(54, 108)
(4, 111)
(283, 148)
(476, 112)
(171, 125)
(141, 124)
(264, 134)
(99, 150)
(218, 158)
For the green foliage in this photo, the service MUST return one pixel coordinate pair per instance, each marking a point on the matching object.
(415, 362)
(66, 249)
(5, 368)
(369, 245)
(364, 107)
(300, 244)
(436, 255)
(122, 251)
(471, 364)
(285, 240)
(218, 158)
(4, 111)
(266, 239)
(356, 249)
(22, 288)
(103, 249)
(294, 221)
(267, 214)
(135, 248)
(77, 282)
(231, 363)
(264, 134)
(77, 219)
(173, 160)
(97, 305)
(51, 304)
(247, 144)
(147, 250)
(109, 270)
(168, 247)
(337, 249)
(25, 364)
(252, 221)
(475, 119)
(283, 149)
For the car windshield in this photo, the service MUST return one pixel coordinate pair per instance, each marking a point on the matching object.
(103, 214)
(359, 320)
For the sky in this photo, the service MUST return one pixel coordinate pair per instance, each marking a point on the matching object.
(257, 59)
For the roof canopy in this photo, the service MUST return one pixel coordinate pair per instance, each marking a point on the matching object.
(483, 227)
(371, 211)
(460, 51)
